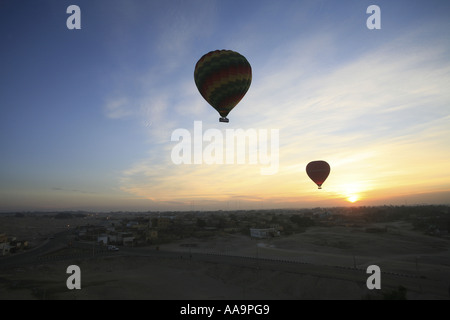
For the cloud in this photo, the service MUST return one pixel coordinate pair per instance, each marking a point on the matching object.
(118, 108)
(73, 190)
(367, 117)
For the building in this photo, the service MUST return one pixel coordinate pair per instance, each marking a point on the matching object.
(128, 241)
(163, 222)
(103, 239)
(5, 248)
(151, 235)
(264, 233)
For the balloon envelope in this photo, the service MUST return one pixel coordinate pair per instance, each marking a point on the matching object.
(223, 77)
(318, 171)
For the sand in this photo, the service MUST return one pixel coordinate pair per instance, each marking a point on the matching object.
(316, 264)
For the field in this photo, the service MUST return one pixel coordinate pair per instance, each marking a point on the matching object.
(321, 263)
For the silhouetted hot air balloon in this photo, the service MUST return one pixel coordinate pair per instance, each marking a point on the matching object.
(318, 171)
(223, 77)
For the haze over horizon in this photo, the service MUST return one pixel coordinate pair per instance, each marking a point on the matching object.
(87, 115)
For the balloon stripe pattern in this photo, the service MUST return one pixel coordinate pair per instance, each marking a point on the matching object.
(223, 77)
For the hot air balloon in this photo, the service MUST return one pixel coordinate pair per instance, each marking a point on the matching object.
(223, 77)
(318, 171)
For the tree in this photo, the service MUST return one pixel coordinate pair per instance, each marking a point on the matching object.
(201, 223)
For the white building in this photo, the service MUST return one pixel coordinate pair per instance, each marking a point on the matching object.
(103, 239)
(5, 248)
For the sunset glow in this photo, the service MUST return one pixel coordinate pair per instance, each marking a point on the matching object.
(102, 134)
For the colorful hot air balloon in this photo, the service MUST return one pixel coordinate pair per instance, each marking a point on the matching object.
(318, 171)
(223, 77)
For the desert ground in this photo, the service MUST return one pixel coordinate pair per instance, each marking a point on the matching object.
(321, 263)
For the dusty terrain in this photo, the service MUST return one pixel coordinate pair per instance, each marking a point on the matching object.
(317, 264)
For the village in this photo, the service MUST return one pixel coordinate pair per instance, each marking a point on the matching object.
(116, 229)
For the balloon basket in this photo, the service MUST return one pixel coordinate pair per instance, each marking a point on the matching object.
(223, 119)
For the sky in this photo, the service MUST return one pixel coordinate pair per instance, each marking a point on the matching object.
(89, 116)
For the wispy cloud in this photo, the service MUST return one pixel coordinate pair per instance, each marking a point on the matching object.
(73, 190)
(375, 105)
(353, 116)
(118, 108)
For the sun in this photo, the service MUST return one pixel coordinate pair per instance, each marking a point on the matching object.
(353, 198)
(351, 192)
